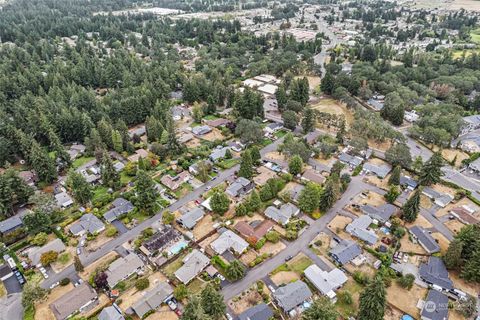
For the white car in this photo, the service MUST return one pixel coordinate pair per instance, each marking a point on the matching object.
(272, 289)
(221, 277)
(172, 305)
(405, 258)
(229, 317)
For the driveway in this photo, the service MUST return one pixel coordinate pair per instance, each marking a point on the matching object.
(12, 285)
(121, 228)
(11, 307)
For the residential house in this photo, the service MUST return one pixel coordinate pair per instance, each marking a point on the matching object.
(352, 161)
(312, 137)
(218, 153)
(381, 213)
(440, 199)
(295, 192)
(79, 299)
(259, 312)
(120, 207)
(470, 145)
(475, 165)
(264, 175)
(268, 89)
(377, 103)
(411, 116)
(283, 214)
(236, 146)
(254, 230)
(407, 182)
(272, 128)
(194, 263)
(327, 282)
(173, 183)
(201, 130)
(10, 224)
(435, 306)
(435, 273)
(220, 122)
(160, 241)
(30, 177)
(152, 299)
(122, 268)
(137, 131)
(292, 295)
(360, 228)
(63, 199)
(185, 137)
(471, 123)
(464, 215)
(313, 176)
(425, 239)
(76, 150)
(118, 166)
(35, 253)
(345, 251)
(379, 171)
(240, 187)
(190, 219)
(195, 168)
(140, 153)
(179, 112)
(111, 313)
(88, 223)
(229, 240)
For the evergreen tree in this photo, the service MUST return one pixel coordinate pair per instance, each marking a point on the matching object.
(77, 264)
(174, 147)
(395, 176)
(117, 141)
(254, 202)
(228, 154)
(281, 96)
(392, 194)
(321, 309)
(110, 177)
(41, 162)
(295, 165)
(453, 256)
(246, 165)
(146, 193)
(220, 203)
(255, 154)
(329, 195)
(211, 105)
(290, 119)
(153, 128)
(240, 210)
(373, 300)
(471, 269)
(308, 121)
(266, 193)
(81, 189)
(431, 171)
(235, 271)
(412, 207)
(194, 310)
(212, 302)
(328, 83)
(308, 200)
(37, 221)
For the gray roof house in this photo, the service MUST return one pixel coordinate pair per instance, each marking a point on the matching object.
(440, 199)
(218, 153)
(345, 251)
(381, 213)
(292, 295)
(122, 268)
(326, 282)
(425, 239)
(408, 182)
(35, 253)
(201, 130)
(352, 161)
(194, 263)
(10, 224)
(360, 228)
(153, 299)
(259, 312)
(88, 223)
(111, 313)
(229, 240)
(241, 186)
(190, 219)
(435, 273)
(63, 199)
(435, 307)
(120, 207)
(283, 214)
(379, 171)
(76, 300)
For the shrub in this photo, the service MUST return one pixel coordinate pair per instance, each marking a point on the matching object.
(142, 284)
(48, 257)
(360, 278)
(121, 286)
(40, 239)
(260, 243)
(64, 281)
(111, 231)
(273, 236)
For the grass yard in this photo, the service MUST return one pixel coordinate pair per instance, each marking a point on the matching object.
(3, 291)
(173, 266)
(229, 163)
(345, 309)
(475, 35)
(183, 190)
(99, 193)
(332, 106)
(81, 161)
(125, 178)
(64, 258)
(210, 117)
(195, 286)
(298, 264)
(265, 142)
(280, 134)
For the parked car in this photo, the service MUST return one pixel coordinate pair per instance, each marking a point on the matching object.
(271, 288)
(229, 317)
(221, 277)
(172, 305)
(288, 258)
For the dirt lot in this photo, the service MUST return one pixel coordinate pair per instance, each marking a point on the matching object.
(468, 287)
(442, 241)
(325, 246)
(425, 202)
(392, 314)
(313, 82)
(275, 156)
(248, 257)
(193, 143)
(406, 300)
(421, 222)
(42, 311)
(454, 225)
(132, 295)
(272, 248)
(284, 277)
(376, 181)
(339, 223)
(203, 227)
(99, 241)
(164, 313)
(246, 300)
(215, 134)
(408, 246)
(372, 198)
(334, 107)
(204, 244)
(382, 146)
(102, 262)
(450, 154)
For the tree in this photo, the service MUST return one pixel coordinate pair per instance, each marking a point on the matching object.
(467, 307)
(290, 119)
(173, 146)
(372, 300)
(309, 198)
(431, 171)
(453, 256)
(249, 131)
(197, 113)
(399, 155)
(32, 293)
(212, 302)
(255, 154)
(146, 198)
(37, 221)
(406, 281)
(194, 310)
(321, 309)
(395, 176)
(40, 239)
(142, 284)
(392, 194)
(328, 83)
(471, 269)
(254, 202)
(329, 195)
(246, 165)
(100, 280)
(266, 193)
(168, 217)
(41, 162)
(228, 154)
(81, 189)
(180, 292)
(393, 109)
(235, 271)
(110, 177)
(412, 207)
(295, 165)
(117, 141)
(249, 104)
(219, 202)
(77, 264)
(48, 257)
(273, 236)
(308, 120)
(294, 106)
(154, 129)
(240, 210)
(417, 164)
(281, 96)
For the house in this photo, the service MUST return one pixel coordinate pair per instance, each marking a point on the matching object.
(236, 146)
(464, 216)
(313, 176)
(411, 116)
(35, 253)
(137, 131)
(10, 224)
(153, 299)
(435, 273)
(30, 177)
(184, 138)
(352, 161)
(190, 219)
(195, 168)
(326, 282)
(76, 150)
(376, 103)
(201, 130)
(268, 89)
(229, 240)
(122, 268)
(360, 228)
(118, 166)
(5, 272)
(220, 122)
(240, 187)
(160, 240)
(475, 165)
(295, 192)
(179, 112)
(272, 128)
(424, 239)
(79, 299)
(88, 223)
(218, 153)
(292, 295)
(312, 137)
(283, 214)
(264, 175)
(345, 251)
(435, 307)
(254, 230)
(111, 313)
(407, 182)
(259, 312)
(381, 213)
(379, 171)
(140, 153)
(440, 199)
(63, 199)
(194, 263)
(470, 124)
(120, 207)
(470, 145)
(173, 183)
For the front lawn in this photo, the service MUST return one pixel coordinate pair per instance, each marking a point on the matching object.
(183, 190)
(228, 163)
(81, 161)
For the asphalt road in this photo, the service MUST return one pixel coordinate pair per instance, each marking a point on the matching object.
(11, 307)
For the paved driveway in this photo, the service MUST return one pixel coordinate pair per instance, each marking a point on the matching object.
(11, 307)
(121, 228)
(12, 285)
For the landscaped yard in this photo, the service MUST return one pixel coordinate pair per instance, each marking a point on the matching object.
(345, 309)
(183, 190)
(228, 163)
(173, 266)
(195, 286)
(81, 161)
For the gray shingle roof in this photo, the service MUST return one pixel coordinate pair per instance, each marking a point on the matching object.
(218, 153)
(292, 295)
(259, 312)
(283, 214)
(381, 213)
(120, 207)
(87, 223)
(425, 239)
(409, 182)
(240, 184)
(436, 306)
(327, 282)
(54, 245)
(190, 219)
(359, 229)
(380, 171)
(153, 299)
(110, 313)
(351, 160)
(193, 264)
(122, 268)
(346, 251)
(435, 272)
(72, 301)
(10, 224)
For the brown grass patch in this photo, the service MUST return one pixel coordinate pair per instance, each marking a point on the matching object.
(333, 106)
(132, 295)
(272, 248)
(454, 225)
(459, 283)
(442, 241)
(98, 242)
(42, 310)
(284, 277)
(215, 134)
(421, 222)
(408, 246)
(406, 300)
(339, 223)
(203, 227)
(100, 263)
(164, 313)
(245, 301)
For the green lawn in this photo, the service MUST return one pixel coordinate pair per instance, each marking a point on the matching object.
(299, 265)
(475, 35)
(183, 190)
(348, 310)
(81, 161)
(125, 178)
(229, 163)
(64, 258)
(265, 142)
(280, 134)
(195, 286)
(210, 117)
(173, 266)
(100, 192)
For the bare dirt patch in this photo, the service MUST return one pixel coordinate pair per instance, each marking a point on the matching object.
(425, 202)
(98, 242)
(103, 262)
(206, 242)
(339, 223)
(215, 134)
(284, 277)
(276, 156)
(406, 300)
(459, 283)
(376, 181)
(248, 257)
(371, 198)
(132, 295)
(458, 155)
(272, 248)
(382, 146)
(454, 225)
(442, 241)
(408, 246)
(245, 300)
(421, 222)
(203, 227)
(164, 313)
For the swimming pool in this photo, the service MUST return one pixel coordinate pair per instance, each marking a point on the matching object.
(177, 247)
(385, 230)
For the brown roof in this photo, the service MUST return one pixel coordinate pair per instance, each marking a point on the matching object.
(464, 215)
(246, 230)
(72, 301)
(313, 176)
(174, 183)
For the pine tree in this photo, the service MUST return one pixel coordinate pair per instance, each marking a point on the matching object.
(77, 264)
(212, 302)
(328, 83)
(412, 207)
(321, 309)
(146, 193)
(329, 195)
(295, 165)
(453, 256)
(81, 189)
(308, 200)
(110, 177)
(211, 105)
(42, 163)
(254, 202)
(235, 271)
(372, 301)
(395, 176)
(153, 128)
(219, 203)
(431, 171)
(255, 154)
(117, 141)
(471, 269)
(228, 154)
(308, 121)
(281, 96)
(240, 210)
(194, 310)
(105, 130)
(174, 147)
(246, 165)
